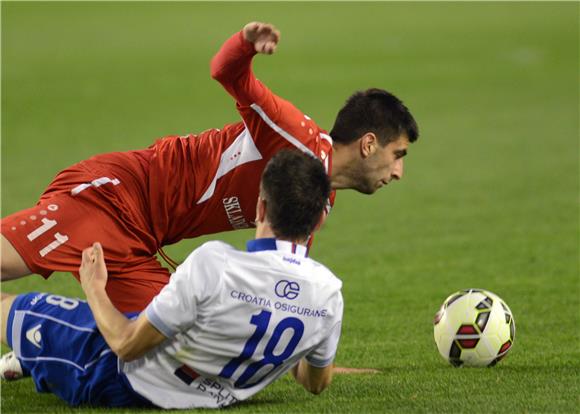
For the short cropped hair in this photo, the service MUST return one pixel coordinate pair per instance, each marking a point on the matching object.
(377, 111)
(296, 188)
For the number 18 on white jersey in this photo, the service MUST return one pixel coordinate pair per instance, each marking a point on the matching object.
(235, 322)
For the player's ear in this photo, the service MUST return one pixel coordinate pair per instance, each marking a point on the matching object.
(260, 210)
(368, 144)
(321, 221)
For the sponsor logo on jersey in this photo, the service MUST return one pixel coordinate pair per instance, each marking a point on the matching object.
(34, 336)
(234, 213)
(291, 260)
(216, 390)
(263, 302)
(35, 299)
(287, 289)
(186, 374)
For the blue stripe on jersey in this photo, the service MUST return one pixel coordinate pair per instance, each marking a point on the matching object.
(258, 245)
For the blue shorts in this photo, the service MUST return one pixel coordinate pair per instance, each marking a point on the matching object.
(57, 342)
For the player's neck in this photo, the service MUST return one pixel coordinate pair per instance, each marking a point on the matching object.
(265, 232)
(341, 166)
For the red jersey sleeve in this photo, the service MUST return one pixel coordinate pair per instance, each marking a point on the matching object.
(272, 122)
(264, 113)
(232, 67)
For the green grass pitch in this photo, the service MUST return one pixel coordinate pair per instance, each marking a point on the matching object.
(489, 198)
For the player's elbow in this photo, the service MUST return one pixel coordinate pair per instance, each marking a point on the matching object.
(317, 388)
(126, 356)
(313, 379)
(215, 74)
(216, 71)
(127, 349)
(124, 352)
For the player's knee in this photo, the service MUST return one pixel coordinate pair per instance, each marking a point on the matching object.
(11, 264)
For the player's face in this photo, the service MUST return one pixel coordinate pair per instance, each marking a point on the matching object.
(383, 165)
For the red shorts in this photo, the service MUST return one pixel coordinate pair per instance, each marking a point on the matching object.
(102, 199)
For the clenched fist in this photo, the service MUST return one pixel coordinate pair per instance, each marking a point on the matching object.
(264, 36)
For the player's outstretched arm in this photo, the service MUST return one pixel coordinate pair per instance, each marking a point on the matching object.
(129, 339)
(231, 66)
(313, 379)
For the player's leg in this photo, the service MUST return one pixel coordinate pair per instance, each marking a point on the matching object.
(12, 266)
(35, 240)
(56, 341)
(101, 199)
(6, 301)
(51, 237)
(10, 368)
(78, 210)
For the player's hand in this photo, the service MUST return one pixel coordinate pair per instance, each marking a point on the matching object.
(264, 36)
(93, 271)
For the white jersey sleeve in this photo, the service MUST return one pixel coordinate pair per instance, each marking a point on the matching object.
(323, 355)
(175, 308)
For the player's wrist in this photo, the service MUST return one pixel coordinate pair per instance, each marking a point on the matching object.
(94, 290)
(247, 45)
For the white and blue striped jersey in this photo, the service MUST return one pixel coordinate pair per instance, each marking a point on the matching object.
(235, 322)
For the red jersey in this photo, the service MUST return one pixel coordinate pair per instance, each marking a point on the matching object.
(209, 183)
(135, 202)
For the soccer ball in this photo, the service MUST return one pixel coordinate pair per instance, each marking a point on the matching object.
(474, 328)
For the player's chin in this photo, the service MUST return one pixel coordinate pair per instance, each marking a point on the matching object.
(377, 186)
(367, 189)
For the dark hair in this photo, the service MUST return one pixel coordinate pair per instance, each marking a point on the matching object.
(377, 111)
(295, 187)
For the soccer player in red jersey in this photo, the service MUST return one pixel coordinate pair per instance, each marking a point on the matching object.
(136, 202)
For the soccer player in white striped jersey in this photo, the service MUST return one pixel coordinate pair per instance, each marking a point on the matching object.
(228, 323)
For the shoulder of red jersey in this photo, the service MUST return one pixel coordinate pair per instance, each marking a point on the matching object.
(297, 129)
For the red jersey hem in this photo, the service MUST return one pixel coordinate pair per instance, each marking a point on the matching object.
(23, 252)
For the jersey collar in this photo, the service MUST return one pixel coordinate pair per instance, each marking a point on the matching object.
(258, 245)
